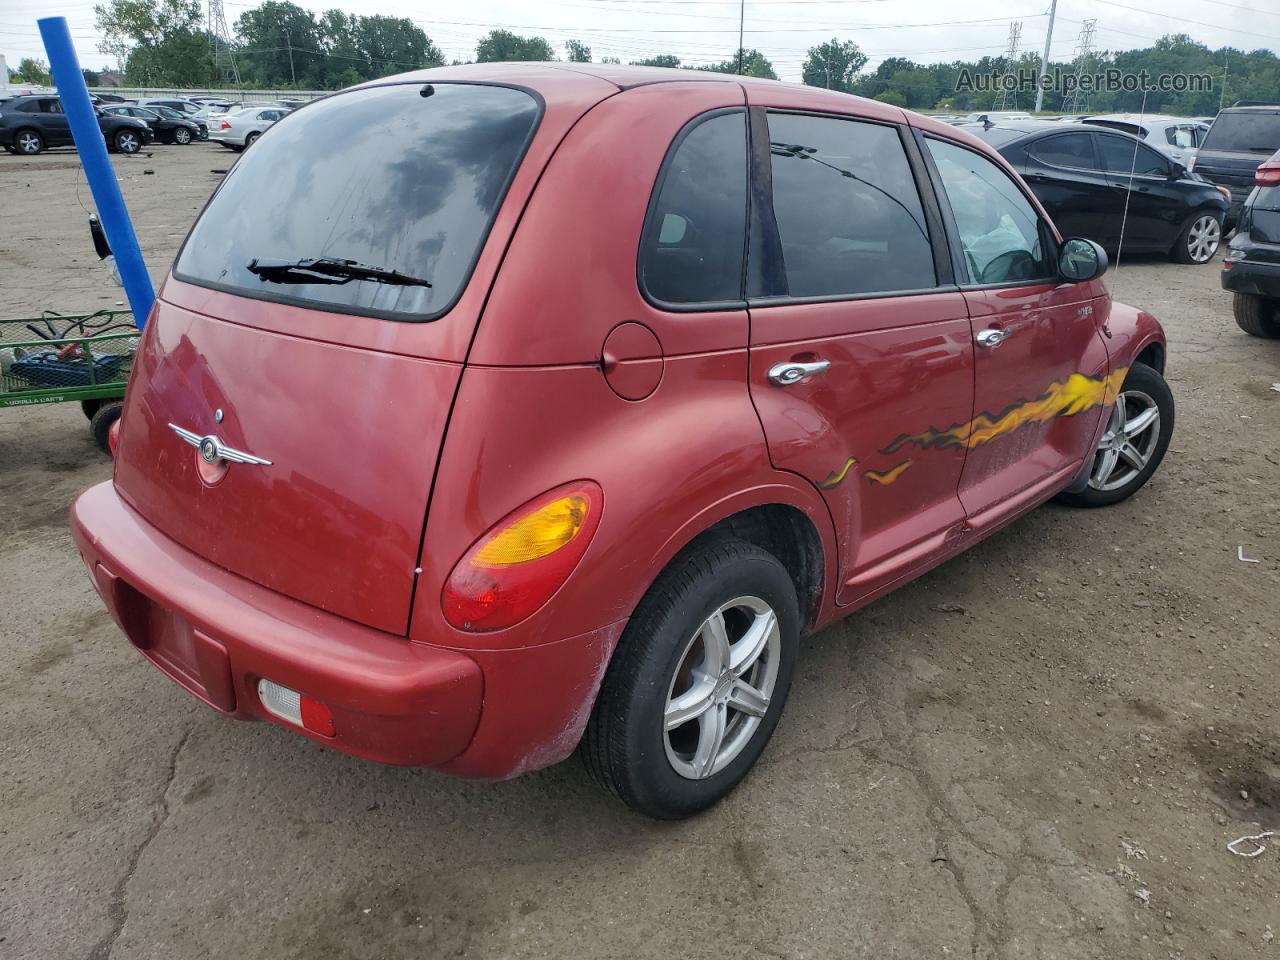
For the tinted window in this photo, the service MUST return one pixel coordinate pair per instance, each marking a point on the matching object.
(382, 176)
(696, 233)
(28, 106)
(999, 229)
(848, 213)
(1068, 150)
(1249, 131)
(1119, 156)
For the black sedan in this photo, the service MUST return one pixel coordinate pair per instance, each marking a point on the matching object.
(1251, 265)
(30, 124)
(1106, 185)
(168, 125)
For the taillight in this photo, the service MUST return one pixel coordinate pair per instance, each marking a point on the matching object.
(514, 569)
(225, 125)
(1191, 163)
(1268, 174)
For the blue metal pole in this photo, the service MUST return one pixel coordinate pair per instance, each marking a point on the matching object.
(98, 171)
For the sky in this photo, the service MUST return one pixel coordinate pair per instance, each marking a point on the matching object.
(705, 31)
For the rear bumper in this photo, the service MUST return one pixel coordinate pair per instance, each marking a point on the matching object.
(1252, 277)
(487, 714)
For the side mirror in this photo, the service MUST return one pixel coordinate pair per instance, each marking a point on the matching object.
(1080, 260)
(1177, 171)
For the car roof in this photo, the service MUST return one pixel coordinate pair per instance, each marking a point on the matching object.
(1142, 118)
(566, 80)
(1254, 108)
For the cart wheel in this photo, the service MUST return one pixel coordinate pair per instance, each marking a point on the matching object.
(90, 407)
(100, 425)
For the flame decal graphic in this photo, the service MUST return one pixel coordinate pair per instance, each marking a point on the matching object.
(888, 476)
(836, 476)
(1076, 394)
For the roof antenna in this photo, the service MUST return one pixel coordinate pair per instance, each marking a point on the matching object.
(1133, 163)
(427, 90)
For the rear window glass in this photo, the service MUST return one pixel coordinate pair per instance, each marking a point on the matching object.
(1245, 131)
(696, 233)
(849, 215)
(383, 177)
(1067, 150)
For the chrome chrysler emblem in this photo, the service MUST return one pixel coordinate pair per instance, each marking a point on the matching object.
(212, 449)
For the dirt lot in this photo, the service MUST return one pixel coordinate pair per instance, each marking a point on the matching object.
(1037, 751)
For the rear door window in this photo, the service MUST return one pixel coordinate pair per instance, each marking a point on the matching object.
(848, 211)
(383, 177)
(1001, 235)
(695, 235)
(1067, 150)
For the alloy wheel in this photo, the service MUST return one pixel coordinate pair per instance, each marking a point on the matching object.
(1203, 239)
(183, 136)
(28, 143)
(1127, 445)
(722, 686)
(127, 143)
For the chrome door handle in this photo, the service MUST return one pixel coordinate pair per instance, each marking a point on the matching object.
(785, 374)
(991, 337)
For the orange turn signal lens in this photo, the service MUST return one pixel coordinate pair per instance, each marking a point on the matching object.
(515, 568)
(535, 535)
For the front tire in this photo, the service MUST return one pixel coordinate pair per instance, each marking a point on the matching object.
(1199, 239)
(1134, 442)
(698, 682)
(182, 136)
(28, 142)
(1257, 316)
(127, 142)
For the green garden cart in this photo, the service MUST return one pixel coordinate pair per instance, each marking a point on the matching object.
(82, 359)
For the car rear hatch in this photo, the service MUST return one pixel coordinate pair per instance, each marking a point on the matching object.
(297, 329)
(1237, 142)
(1264, 225)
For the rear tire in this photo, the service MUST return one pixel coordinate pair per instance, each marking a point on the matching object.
(714, 640)
(1199, 239)
(1257, 316)
(1134, 442)
(100, 425)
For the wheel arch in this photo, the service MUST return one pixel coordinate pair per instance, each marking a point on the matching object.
(1153, 355)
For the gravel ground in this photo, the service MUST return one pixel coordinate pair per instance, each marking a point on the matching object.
(1039, 750)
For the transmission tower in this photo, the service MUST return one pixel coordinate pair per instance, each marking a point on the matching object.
(221, 52)
(1078, 101)
(1009, 98)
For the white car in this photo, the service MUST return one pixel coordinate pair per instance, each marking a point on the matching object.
(996, 116)
(1177, 138)
(240, 128)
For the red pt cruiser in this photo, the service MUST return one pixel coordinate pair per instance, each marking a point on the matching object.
(494, 412)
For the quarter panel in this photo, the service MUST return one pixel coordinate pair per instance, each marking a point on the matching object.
(669, 466)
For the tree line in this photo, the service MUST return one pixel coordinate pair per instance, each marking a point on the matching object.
(280, 44)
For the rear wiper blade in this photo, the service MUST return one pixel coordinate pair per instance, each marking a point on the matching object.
(329, 270)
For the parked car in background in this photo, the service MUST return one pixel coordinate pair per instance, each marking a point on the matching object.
(28, 125)
(1082, 175)
(995, 116)
(1251, 265)
(240, 129)
(1176, 137)
(1239, 140)
(180, 104)
(293, 104)
(514, 548)
(168, 125)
